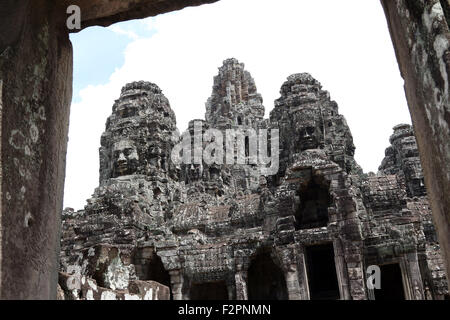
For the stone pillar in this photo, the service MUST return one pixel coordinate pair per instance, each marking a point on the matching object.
(341, 271)
(292, 283)
(186, 289)
(414, 275)
(421, 37)
(302, 276)
(36, 72)
(355, 269)
(241, 277)
(231, 288)
(176, 281)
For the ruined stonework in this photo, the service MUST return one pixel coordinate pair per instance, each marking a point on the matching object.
(156, 229)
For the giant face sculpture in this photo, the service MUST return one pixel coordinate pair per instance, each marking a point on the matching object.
(310, 135)
(125, 158)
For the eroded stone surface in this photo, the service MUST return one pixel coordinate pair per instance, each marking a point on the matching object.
(35, 60)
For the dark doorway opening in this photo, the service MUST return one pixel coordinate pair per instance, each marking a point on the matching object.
(391, 283)
(322, 277)
(266, 280)
(149, 267)
(313, 209)
(214, 173)
(209, 291)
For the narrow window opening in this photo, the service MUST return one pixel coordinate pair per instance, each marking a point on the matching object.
(313, 209)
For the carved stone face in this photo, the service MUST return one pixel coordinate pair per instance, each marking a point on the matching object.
(310, 136)
(125, 158)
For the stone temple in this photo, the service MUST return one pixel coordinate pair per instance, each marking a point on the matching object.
(157, 229)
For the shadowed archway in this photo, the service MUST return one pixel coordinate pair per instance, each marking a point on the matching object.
(266, 280)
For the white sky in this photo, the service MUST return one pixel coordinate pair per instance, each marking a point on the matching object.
(343, 44)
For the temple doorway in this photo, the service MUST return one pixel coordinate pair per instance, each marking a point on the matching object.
(391, 283)
(313, 209)
(322, 277)
(266, 280)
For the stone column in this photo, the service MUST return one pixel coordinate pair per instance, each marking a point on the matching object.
(421, 37)
(241, 277)
(292, 283)
(186, 289)
(355, 269)
(176, 281)
(341, 270)
(231, 288)
(36, 71)
(302, 276)
(414, 275)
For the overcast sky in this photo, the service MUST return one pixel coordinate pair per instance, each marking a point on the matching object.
(343, 44)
